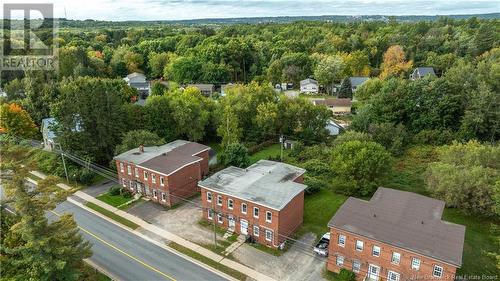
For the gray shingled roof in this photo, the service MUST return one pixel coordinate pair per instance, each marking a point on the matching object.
(358, 80)
(308, 81)
(405, 220)
(266, 183)
(425, 70)
(166, 158)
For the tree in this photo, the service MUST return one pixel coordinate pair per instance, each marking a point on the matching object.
(368, 89)
(346, 89)
(157, 88)
(329, 70)
(157, 63)
(33, 248)
(134, 139)
(16, 121)
(359, 167)
(394, 62)
(235, 154)
(158, 117)
(392, 137)
(466, 177)
(350, 136)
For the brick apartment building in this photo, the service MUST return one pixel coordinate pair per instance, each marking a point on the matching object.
(166, 173)
(265, 201)
(397, 235)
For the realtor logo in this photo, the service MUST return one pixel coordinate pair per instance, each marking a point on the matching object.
(28, 34)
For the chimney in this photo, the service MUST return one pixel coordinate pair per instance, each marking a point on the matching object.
(141, 148)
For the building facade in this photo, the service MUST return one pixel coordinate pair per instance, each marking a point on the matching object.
(309, 86)
(166, 174)
(264, 201)
(395, 236)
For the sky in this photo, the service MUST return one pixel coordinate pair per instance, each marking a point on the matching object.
(119, 10)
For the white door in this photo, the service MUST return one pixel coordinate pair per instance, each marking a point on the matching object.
(232, 222)
(244, 227)
(373, 272)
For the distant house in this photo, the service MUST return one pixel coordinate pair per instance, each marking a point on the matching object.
(333, 128)
(357, 81)
(47, 133)
(309, 86)
(205, 89)
(288, 144)
(224, 87)
(396, 235)
(138, 81)
(337, 106)
(420, 72)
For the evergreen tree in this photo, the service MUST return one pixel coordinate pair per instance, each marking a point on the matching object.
(345, 89)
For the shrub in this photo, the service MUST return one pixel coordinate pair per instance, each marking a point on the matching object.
(346, 275)
(86, 176)
(235, 155)
(114, 190)
(313, 185)
(126, 194)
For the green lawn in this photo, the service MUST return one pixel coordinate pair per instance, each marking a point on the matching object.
(319, 208)
(479, 240)
(113, 200)
(270, 151)
(112, 215)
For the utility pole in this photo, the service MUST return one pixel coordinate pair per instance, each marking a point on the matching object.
(215, 231)
(281, 147)
(64, 163)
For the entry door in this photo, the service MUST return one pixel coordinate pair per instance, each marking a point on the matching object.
(232, 222)
(244, 227)
(373, 272)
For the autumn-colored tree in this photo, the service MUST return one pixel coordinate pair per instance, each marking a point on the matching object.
(395, 62)
(14, 120)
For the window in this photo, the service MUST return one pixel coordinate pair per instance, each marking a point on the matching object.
(396, 258)
(129, 170)
(219, 217)
(340, 260)
(230, 204)
(209, 197)
(255, 212)
(124, 183)
(121, 168)
(145, 175)
(437, 271)
(359, 245)
(155, 194)
(210, 214)
(153, 178)
(341, 240)
(269, 216)
(219, 200)
(376, 251)
(136, 172)
(163, 197)
(243, 208)
(269, 235)
(415, 263)
(356, 266)
(255, 230)
(392, 276)
(162, 181)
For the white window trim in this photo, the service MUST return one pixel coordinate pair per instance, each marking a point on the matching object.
(124, 183)
(256, 231)
(153, 178)
(219, 218)
(163, 197)
(155, 194)
(230, 206)
(362, 246)
(122, 169)
(145, 174)
(393, 272)
(339, 260)
(359, 266)
(434, 271)
(246, 208)
(395, 261)
(219, 199)
(373, 251)
(413, 264)
(271, 216)
(210, 215)
(255, 216)
(209, 196)
(162, 181)
(269, 231)
(136, 171)
(129, 170)
(339, 240)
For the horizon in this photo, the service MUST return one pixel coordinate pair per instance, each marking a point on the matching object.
(177, 10)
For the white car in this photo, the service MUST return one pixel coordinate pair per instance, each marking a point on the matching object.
(322, 247)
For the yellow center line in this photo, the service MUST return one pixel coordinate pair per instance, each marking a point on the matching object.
(122, 252)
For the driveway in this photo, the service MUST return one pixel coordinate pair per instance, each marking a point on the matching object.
(298, 263)
(98, 189)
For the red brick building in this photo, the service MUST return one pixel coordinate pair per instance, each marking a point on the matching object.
(166, 173)
(265, 201)
(397, 235)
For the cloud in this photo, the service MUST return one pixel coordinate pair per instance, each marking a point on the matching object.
(195, 9)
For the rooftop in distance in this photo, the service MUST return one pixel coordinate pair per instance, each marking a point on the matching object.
(267, 183)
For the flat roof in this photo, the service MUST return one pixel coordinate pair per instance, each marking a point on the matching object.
(166, 158)
(266, 183)
(406, 220)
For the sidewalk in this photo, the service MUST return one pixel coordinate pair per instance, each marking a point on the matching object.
(165, 234)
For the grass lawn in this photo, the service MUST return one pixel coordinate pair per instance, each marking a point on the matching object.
(112, 215)
(479, 240)
(113, 200)
(270, 151)
(229, 271)
(318, 210)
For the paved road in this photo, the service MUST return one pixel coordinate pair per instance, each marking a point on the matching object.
(128, 256)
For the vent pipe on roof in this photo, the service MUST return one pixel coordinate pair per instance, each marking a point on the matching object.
(141, 148)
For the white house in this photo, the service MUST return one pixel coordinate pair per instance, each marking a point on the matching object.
(138, 81)
(309, 86)
(333, 128)
(420, 72)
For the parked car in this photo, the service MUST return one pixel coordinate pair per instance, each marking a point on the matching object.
(322, 247)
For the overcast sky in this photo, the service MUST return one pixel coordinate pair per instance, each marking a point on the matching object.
(196, 9)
